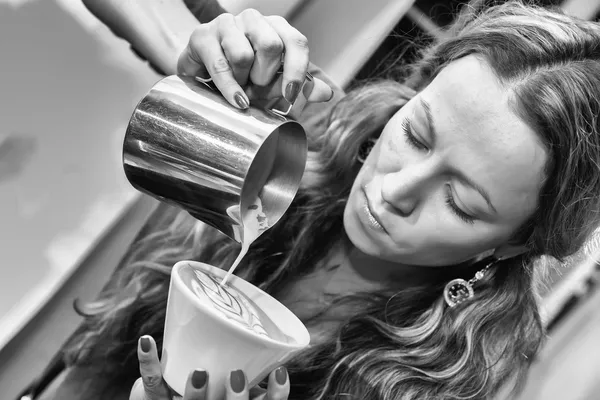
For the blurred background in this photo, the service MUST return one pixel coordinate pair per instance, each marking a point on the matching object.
(67, 213)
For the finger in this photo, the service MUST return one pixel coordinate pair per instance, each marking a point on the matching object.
(188, 66)
(195, 388)
(267, 92)
(295, 64)
(150, 371)
(206, 49)
(236, 386)
(236, 47)
(321, 91)
(189, 62)
(267, 44)
(279, 385)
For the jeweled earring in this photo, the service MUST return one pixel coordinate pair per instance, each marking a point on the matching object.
(458, 290)
(365, 149)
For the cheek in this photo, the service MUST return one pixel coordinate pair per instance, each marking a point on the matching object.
(435, 238)
(462, 244)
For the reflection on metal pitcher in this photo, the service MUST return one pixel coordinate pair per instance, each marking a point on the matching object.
(186, 145)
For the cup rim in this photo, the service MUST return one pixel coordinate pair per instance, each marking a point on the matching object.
(176, 278)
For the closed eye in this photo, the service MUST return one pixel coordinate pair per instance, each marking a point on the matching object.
(455, 209)
(410, 137)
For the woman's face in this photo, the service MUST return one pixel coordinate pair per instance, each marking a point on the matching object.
(454, 173)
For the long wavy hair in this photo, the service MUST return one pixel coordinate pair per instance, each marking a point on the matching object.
(399, 343)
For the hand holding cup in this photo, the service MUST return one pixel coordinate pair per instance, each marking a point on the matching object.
(151, 386)
(222, 328)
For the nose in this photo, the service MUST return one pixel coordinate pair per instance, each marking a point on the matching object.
(405, 189)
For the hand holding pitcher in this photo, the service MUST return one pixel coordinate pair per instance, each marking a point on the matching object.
(243, 53)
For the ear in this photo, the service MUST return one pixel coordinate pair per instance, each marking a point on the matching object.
(509, 250)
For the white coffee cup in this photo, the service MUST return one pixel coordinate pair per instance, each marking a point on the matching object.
(198, 335)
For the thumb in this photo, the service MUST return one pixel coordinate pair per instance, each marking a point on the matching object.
(152, 385)
(137, 391)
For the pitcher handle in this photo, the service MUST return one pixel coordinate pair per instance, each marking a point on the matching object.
(280, 105)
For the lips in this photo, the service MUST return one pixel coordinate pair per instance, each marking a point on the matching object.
(373, 218)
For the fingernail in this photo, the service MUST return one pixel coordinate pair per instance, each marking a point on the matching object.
(332, 95)
(281, 375)
(241, 101)
(145, 344)
(291, 91)
(199, 378)
(237, 380)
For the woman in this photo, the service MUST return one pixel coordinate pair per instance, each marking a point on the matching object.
(485, 159)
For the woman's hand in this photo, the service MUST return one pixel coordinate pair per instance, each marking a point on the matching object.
(243, 53)
(151, 385)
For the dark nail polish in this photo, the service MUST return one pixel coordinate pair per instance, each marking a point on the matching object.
(199, 379)
(145, 344)
(281, 375)
(241, 101)
(291, 91)
(237, 381)
(332, 95)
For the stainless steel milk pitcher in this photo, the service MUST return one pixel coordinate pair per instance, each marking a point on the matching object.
(186, 145)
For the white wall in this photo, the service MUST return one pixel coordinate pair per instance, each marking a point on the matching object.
(266, 7)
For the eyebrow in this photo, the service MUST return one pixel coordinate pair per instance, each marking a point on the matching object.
(429, 117)
(462, 177)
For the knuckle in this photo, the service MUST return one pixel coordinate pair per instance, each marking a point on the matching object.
(145, 360)
(220, 66)
(229, 86)
(277, 19)
(152, 381)
(225, 18)
(197, 39)
(251, 13)
(242, 58)
(199, 33)
(271, 46)
(301, 41)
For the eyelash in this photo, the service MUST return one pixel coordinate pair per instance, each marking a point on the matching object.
(456, 210)
(410, 138)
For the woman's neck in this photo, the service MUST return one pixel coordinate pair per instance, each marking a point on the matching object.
(377, 271)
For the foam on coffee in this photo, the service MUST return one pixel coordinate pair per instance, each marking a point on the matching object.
(235, 306)
(228, 302)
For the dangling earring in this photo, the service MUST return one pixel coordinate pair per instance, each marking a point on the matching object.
(459, 290)
(365, 149)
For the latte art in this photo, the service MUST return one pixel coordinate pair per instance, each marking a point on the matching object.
(228, 302)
